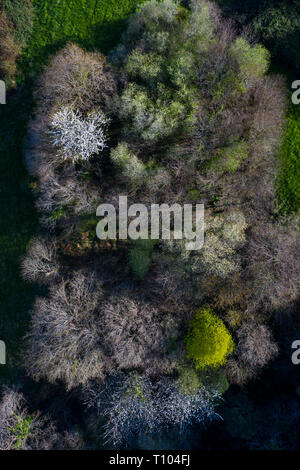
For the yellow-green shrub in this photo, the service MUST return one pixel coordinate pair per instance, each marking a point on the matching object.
(208, 342)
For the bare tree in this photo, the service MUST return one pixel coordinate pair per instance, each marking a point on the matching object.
(255, 348)
(65, 192)
(65, 341)
(255, 344)
(40, 263)
(274, 265)
(224, 236)
(137, 334)
(77, 78)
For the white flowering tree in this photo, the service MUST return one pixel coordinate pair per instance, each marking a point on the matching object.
(78, 137)
(133, 405)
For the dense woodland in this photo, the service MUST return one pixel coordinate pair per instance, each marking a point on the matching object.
(141, 343)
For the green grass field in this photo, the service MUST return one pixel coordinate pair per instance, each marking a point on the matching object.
(90, 23)
(289, 178)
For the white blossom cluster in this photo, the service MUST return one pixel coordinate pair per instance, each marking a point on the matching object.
(134, 406)
(76, 136)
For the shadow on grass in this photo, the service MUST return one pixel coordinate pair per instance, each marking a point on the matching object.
(18, 223)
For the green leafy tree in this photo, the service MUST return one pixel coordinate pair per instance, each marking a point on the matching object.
(131, 169)
(253, 61)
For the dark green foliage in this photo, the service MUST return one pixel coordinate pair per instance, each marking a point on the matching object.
(218, 381)
(139, 261)
(276, 23)
(140, 257)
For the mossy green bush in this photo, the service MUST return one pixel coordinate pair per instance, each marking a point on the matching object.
(160, 99)
(253, 61)
(230, 158)
(140, 257)
(188, 380)
(218, 380)
(21, 430)
(208, 342)
(132, 171)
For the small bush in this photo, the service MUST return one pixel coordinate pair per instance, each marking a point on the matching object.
(253, 61)
(209, 342)
(188, 381)
(132, 170)
(140, 262)
(230, 158)
(140, 258)
(218, 381)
